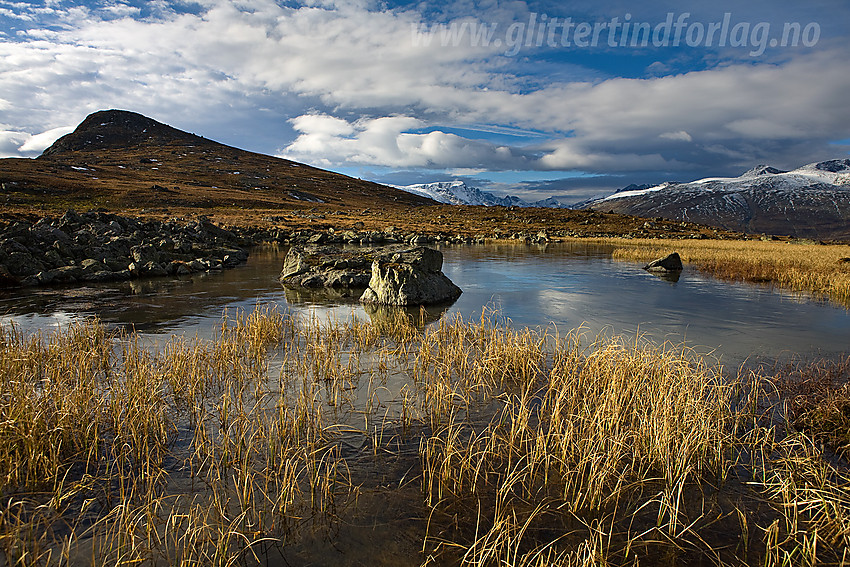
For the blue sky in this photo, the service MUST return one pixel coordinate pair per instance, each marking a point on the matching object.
(551, 98)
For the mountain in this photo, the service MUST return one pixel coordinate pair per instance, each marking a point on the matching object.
(459, 193)
(122, 160)
(812, 201)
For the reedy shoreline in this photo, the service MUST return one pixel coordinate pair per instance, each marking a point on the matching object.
(820, 269)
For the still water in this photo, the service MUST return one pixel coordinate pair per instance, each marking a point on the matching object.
(561, 285)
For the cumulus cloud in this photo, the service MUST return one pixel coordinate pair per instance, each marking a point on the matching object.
(40, 142)
(10, 142)
(388, 141)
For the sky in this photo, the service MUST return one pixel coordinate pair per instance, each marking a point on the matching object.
(552, 98)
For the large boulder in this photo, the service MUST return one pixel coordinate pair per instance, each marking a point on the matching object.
(328, 267)
(391, 275)
(410, 277)
(670, 263)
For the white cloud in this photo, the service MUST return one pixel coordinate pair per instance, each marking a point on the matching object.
(387, 141)
(680, 136)
(40, 142)
(120, 10)
(10, 142)
(7, 13)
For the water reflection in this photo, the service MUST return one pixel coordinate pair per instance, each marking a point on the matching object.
(388, 315)
(671, 277)
(299, 296)
(565, 285)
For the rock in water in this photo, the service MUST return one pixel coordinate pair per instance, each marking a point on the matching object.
(392, 275)
(327, 267)
(410, 277)
(670, 263)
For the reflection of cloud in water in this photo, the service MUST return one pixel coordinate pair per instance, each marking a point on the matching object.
(331, 313)
(33, 322)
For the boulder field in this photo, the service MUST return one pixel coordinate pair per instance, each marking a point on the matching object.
(96, 247)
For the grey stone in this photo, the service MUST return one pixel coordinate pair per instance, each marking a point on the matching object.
(100, 246)
(328, 266)
(144, 254)
(165, 245)
(53, 258)
(67, 274)
(99, 276)
(410, 277)
(116, 264)
(70, 219)
(115, 227)
(182, 246)
(92, 266)
(22, 264)
(6, 277)
(10, 246)
(153, 269)
(46, 277)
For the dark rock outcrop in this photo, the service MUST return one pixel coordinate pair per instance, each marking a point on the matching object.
(670, 263)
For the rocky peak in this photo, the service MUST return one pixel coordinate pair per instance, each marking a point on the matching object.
(762, 169)
(116, 129)
(834, 165)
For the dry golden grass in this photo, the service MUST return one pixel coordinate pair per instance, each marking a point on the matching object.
(817, 269)
(534, 448)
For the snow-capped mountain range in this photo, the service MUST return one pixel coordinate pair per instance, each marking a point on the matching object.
(459, 193)
(812, 201)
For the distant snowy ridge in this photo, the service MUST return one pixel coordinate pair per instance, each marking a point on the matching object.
(459, 193)
(832, 174)
(812, 201)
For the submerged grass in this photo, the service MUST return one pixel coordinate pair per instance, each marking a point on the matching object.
(533, 448)
(818, 401)
(820, 269)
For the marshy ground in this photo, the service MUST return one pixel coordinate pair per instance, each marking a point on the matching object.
(287, 440)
